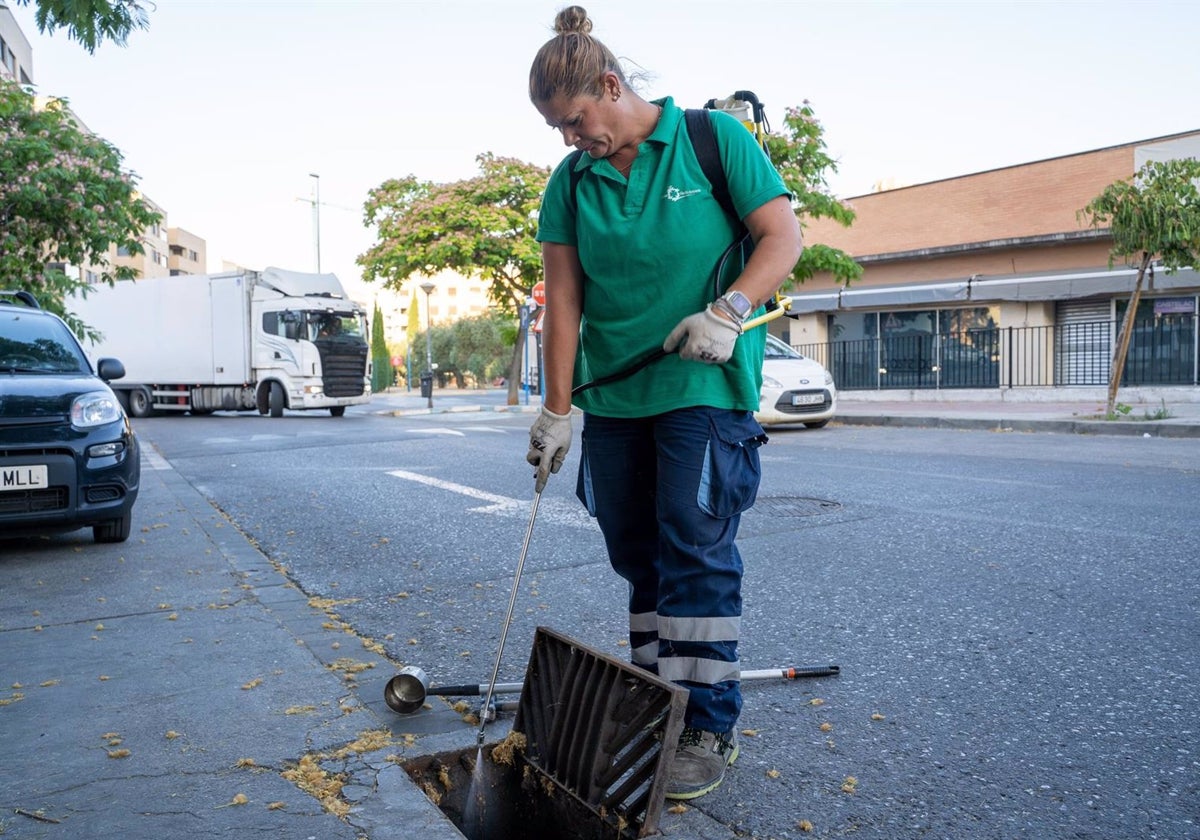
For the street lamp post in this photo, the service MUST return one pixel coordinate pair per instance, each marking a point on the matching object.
(428, 287)
(317, 218)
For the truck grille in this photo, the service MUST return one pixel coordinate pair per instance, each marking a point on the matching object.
(344, 369)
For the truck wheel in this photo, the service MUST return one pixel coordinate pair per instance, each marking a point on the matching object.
(276, 399)
(141, 404)
(337, 410)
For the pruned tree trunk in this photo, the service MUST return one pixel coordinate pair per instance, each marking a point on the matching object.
(1122, 349)
(514, 368)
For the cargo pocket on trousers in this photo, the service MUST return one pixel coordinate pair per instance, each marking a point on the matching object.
(732, 469)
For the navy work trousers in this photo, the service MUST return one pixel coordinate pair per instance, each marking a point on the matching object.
(668, 492)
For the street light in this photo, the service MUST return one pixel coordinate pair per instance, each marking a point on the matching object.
(317, 218)
(428, 286)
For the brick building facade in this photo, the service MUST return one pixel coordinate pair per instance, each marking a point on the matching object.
(991, 280)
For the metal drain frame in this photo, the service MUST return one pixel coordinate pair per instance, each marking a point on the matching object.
(595, 726)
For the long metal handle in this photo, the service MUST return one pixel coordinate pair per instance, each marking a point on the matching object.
(512, 602)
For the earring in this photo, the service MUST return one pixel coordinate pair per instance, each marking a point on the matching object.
(616, 95)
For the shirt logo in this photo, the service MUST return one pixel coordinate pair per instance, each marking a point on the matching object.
(676, 194)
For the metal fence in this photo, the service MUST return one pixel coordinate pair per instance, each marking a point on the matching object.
(1162, 351)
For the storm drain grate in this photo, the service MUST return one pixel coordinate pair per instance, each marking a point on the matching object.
(584, 760)
(794, 506)
(595, 725)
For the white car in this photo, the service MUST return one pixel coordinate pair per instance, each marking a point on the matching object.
(796, 389)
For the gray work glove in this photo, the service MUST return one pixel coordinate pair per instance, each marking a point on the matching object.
(704, 337)
(549, 440)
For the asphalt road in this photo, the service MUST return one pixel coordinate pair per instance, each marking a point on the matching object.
(1014, 615)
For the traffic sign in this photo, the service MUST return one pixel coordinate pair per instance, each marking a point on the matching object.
(539, 293)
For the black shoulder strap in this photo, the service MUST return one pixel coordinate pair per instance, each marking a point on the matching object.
(704, 142)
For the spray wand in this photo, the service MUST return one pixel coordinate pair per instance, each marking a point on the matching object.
(539, 486)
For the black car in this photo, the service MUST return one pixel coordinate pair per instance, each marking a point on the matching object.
(68, 457)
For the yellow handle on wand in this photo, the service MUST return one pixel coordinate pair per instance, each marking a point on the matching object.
(783, 303)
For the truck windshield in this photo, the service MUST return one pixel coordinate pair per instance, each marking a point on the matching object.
(331, 324)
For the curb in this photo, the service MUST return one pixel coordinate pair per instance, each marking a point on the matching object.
(1147, 428)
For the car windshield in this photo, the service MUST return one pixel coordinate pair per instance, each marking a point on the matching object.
(37, 344)
(776, 349)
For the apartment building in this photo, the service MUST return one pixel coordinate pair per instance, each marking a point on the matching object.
(187, 253)
(16, 54)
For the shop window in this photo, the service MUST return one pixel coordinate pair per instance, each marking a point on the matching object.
(1162, 349)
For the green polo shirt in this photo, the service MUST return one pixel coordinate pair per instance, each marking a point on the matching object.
(650, 248)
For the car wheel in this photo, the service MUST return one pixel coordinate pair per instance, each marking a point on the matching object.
(337, 410)
(276, 399)
(820, 424)
(141, 404)
(114, 530)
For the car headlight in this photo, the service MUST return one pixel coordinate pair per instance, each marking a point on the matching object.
(95, 409)
(771, 382)
(828, 378)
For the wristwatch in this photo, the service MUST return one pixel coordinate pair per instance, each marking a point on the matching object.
(739, 303)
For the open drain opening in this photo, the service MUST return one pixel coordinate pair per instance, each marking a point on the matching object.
(584, 760)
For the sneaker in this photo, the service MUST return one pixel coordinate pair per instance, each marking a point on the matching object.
(700, 762)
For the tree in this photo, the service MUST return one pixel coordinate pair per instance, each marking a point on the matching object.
(800, 156)
(91, 21)
(483, 226)
(1156, 214)
(381, 359)
(63, 199)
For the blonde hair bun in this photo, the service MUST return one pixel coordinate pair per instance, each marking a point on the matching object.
(572, 19)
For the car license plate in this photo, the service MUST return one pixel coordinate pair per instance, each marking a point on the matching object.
(29, 477)
(808, 399)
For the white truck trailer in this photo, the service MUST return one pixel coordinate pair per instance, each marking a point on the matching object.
(235, 341)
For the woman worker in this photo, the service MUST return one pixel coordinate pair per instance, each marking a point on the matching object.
(669, 454)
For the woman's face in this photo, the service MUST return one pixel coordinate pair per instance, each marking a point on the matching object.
(586, 122)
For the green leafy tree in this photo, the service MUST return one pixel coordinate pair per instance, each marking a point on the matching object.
(90, 21)
(1155, 215)
(478, 350)
(800, 155)
(381, 359)
(63, 199)
(483, 226)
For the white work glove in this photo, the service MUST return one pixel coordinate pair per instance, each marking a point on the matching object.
(704, 337)
(549, 440)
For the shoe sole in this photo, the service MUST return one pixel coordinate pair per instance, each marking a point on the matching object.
(696, 794)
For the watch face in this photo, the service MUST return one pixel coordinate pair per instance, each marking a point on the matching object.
(739, 302)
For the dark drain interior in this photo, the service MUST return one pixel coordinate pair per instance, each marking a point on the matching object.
(584, 759)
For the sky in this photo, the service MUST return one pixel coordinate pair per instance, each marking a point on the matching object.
(225, 109)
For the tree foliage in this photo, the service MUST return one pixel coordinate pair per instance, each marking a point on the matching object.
(63, 199)
(472, 351)
(483, 226)
(381, 359)
(1156, 214)
(90, 21)
(799, 154)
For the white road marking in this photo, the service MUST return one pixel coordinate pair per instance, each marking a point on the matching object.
(440, 431)
(561, 512)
